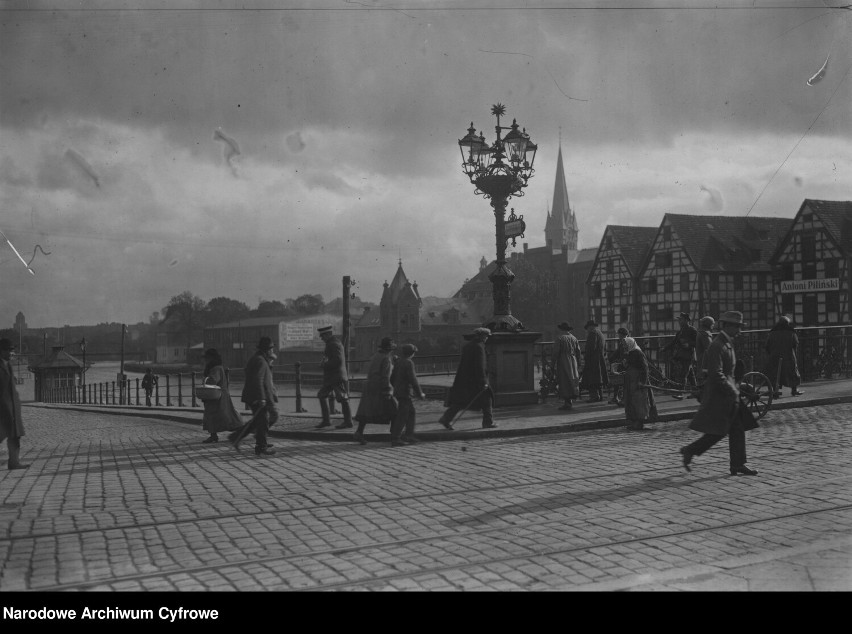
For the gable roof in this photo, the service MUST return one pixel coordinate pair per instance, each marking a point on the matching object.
(398, 285)
(633, 243)
(728, 243)
(836, 215)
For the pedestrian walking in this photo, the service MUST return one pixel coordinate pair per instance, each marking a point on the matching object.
(721, 413)
(335, 380)
(682, 349)
(260, 395)
(595, 375)
(377, 405)
(618, 357)
(470, 389)
(149, 381)
(637, 405)
(11, 423)
(405, 385)
(703, 339)
(567, 365)
(782, 367)
(220, 414)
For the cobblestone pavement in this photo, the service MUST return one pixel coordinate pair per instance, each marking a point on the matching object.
(125, 503)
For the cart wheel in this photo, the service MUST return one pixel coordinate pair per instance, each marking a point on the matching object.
(756, 393)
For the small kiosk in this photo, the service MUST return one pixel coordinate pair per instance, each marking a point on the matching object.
(56, 376)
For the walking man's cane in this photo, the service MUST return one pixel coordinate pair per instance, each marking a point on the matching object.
(778, 377)
(472, 401)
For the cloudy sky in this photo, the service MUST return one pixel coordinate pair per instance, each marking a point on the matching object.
(152, 147)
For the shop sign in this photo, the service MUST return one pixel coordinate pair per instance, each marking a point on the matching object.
(811, 286)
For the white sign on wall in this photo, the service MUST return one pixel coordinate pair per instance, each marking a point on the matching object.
(299, 332)
(811, 286)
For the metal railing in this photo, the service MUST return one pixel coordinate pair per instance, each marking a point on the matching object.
(824, 352)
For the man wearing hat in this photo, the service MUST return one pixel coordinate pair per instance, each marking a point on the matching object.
(567, 365)
(470, 388)
(11, 423)
(682, 349)
(595, 376)
(335, 380)
(721, 412)
(704, 338)
(259, 394)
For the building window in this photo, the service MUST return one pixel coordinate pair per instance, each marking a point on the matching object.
(610, 320)
(610, 293)
(667, 233)
(832, 268)
(788, 304)
(832, 302)
(625, 314)
(714, 281)
(810, 310)
(610, 266)
(598, 313)
(809, 270)
(651, 285)
(808, 245)
(608, 242)
(738, 282)
(625, 288)
(684, 281)
(596, 290)
(663, 259)
(668, 285)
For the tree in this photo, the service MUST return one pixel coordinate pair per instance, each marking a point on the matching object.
(187, 312)
(222, 309)
(308, 304)
(270, 308)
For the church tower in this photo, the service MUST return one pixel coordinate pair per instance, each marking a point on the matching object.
(560, 231)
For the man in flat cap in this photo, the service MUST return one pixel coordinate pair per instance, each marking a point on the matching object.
(470, 388)
(335, 380)
(721, 413)
(682, 349)
(260, 395)
(11, 423)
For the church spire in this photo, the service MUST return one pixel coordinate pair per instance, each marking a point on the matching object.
(561, 228)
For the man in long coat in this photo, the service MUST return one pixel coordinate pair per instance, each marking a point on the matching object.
(11, 423)
(595, 376)
(682, 349)
(335, 379)
(470, 388)
(567, 365)
(782, 367)
(721, 412)
(260, 395)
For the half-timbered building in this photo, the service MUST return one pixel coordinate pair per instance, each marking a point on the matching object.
(614, 278)
(705, 265)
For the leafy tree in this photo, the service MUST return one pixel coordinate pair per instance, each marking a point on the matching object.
(187, 311)
(308, 304)
(223, 309)
(270, 308)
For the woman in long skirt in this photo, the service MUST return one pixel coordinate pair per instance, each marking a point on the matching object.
(636, 404)
(377, 404)
(567, 364)
(219, 415)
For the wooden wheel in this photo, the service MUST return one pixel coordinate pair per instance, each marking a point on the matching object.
(756, 393)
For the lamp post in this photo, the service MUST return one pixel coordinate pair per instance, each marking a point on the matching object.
(83, 350)
(498, 172)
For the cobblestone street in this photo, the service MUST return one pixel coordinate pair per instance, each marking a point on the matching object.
(126, 503)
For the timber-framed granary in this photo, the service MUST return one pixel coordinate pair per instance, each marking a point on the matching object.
(812, 265)
(614, 278)
(705, 265)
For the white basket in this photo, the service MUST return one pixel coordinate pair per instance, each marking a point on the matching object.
(208, 392)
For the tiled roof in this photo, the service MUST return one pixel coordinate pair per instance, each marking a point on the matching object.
(633, 243)
(836, 215)
(729, 243)
(583, 255)
(57, 359)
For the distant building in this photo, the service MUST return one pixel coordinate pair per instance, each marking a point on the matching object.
(614, 278)
(434, 324)
(811, 266)
(172, 343)
(20, 323)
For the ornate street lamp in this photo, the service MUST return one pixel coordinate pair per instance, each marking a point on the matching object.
(499, 171)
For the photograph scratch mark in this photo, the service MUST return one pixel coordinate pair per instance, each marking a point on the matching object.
(820, 73)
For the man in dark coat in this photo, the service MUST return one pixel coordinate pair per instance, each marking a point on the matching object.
(260, 395)
(335, 380)
(782, 367)
(470, 388)
(721, 412)
(11, 423)
(595, 375)
(682, 349)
